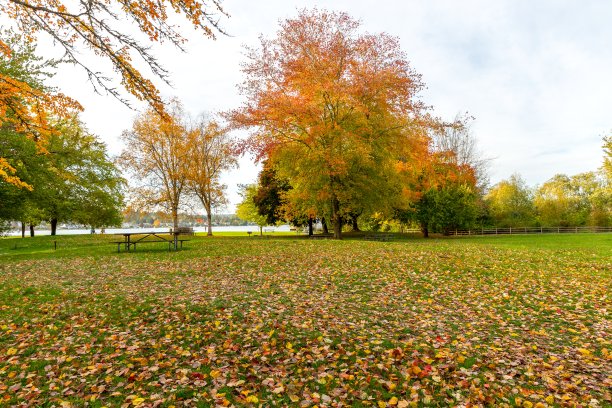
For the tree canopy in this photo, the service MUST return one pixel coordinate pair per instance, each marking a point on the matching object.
(327, 104)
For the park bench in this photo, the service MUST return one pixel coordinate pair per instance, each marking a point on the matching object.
(378, 237)
(321, 236)
(184, 231)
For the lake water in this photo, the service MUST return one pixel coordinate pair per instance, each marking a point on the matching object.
(243, 228)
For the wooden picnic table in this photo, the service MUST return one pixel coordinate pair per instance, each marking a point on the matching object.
(148, 237)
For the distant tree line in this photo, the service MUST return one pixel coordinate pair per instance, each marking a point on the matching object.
(581, 200)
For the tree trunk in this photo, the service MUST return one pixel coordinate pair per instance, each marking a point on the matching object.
(31, 230)
(310, 232)
(425, 230)
(355, 226)
(336, 219)
(260, 231)
(53, 226)
(23, 229)
(324, 225)
(209, 220)
(175, 218)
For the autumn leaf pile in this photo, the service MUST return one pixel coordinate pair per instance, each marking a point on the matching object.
(248, 322)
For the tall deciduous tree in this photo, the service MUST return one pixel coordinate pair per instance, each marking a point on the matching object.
(73, 180)
(270, 197)
(84, 185)
(157, 153)
(511, 203)
(460, 146)
(247, 210)
(327, 104)
(212, 152)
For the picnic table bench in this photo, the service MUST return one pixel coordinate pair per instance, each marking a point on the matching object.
(131, 239)
(321, 236)
(378, 237)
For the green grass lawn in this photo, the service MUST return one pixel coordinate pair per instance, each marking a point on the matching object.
(287, 321)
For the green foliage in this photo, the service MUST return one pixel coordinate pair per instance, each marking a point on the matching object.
(270, 196)
(510, 203)
(446, 208)
(24, 65)
(247, 210)
(573, 201)
(73, 181)
(607, 164)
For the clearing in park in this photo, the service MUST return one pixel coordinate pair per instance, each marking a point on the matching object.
(507, 321)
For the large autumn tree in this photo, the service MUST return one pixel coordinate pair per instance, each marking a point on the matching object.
(212, 153)
(157, 153)
(327, 104)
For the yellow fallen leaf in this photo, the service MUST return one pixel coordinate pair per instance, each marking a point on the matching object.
(294, 398)
(416, 370)
(403, 404)
(584, 352)
(392, 401)
(137, 401)
(382, 404)
(252, 399)
(11, 351)
(527, 404)
(550, 399)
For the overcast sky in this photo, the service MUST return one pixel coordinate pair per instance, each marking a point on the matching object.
(536, 75)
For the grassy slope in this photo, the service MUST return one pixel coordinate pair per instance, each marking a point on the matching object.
(239, 320)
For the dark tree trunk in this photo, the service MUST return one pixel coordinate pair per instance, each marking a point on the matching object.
(260, 231)
(336, 219)
(23, 229)
(355, 225)
(310, 232)
(324, 225)
(53, 226)
(31, 230)
(209, 220)
(425, 230)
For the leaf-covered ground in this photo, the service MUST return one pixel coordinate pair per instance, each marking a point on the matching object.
(514, 321)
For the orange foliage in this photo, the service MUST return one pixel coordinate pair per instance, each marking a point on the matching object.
(96, 25)
(29, 111)
(330, 102)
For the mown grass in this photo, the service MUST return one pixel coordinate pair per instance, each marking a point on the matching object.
(285, 321)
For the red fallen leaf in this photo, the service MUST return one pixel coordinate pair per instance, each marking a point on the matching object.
(198, 376)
